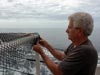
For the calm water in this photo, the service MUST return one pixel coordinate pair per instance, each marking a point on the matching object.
(56, 36)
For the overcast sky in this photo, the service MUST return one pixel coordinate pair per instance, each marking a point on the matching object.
(44, 13)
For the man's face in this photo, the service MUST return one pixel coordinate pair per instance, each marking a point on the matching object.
(72, 31)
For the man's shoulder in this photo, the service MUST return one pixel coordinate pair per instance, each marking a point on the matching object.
(87, 45)
(88, 50)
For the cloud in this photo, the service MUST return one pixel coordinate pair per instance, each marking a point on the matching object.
(50, 10)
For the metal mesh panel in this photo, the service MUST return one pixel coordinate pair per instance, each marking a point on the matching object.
(15, 52)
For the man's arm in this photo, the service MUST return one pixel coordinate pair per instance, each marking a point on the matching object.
(50, 64)
(56, 53)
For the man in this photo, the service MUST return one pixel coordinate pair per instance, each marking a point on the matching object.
(80, 58)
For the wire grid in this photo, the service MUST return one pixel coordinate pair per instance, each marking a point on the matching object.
(15, 52)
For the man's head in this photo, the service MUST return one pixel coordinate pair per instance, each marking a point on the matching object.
(82, 20)
(80, 24)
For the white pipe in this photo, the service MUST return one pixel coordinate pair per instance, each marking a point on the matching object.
(37, 64)
(98, 70)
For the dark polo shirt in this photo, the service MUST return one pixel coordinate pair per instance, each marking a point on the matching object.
(81, 60)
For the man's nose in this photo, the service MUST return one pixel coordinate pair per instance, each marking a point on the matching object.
(67, 30)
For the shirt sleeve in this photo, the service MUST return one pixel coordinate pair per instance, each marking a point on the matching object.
(73, 62)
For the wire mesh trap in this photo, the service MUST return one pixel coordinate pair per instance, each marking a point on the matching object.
(16, 54)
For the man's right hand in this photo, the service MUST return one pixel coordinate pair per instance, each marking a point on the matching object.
(38, 48)
(43, 42)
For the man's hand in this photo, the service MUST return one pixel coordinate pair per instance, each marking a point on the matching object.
(38, 48)
(43, 42)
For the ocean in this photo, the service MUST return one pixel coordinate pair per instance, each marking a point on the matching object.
(57, 37)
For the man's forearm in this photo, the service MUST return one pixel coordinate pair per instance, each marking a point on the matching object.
(57, 54)
(51, 65)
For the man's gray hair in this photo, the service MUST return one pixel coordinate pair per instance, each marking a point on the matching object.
(82, 20)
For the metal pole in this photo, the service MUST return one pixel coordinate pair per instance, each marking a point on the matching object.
(37, 64)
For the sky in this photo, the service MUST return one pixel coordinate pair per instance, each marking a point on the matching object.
(44, 13)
